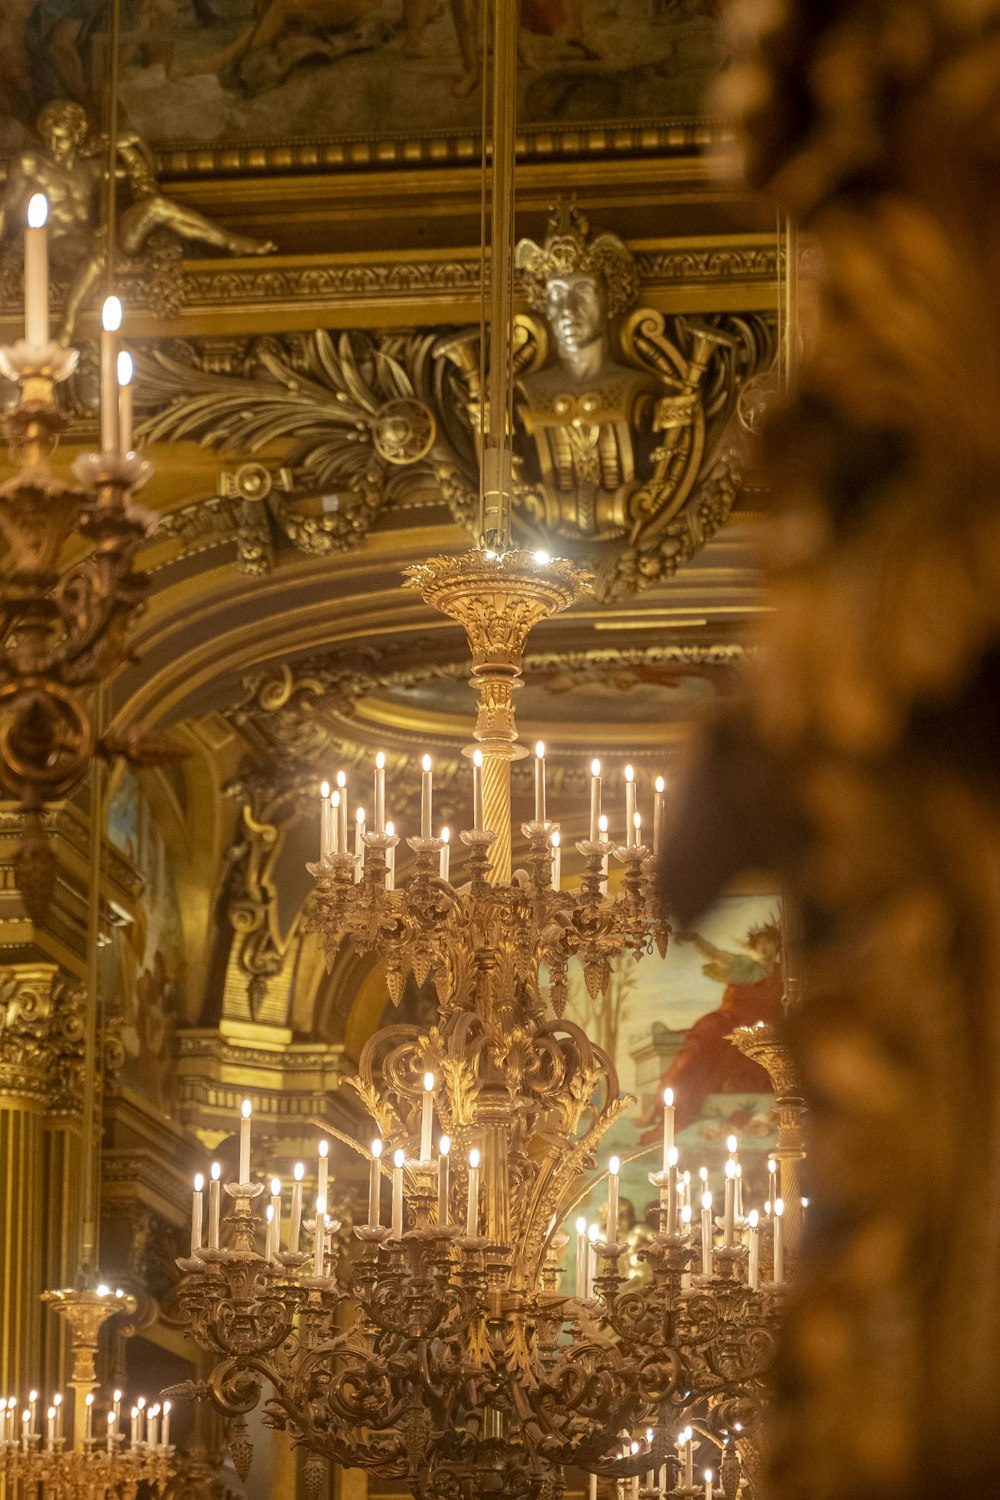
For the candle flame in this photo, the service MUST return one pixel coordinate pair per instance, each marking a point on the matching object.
(673, 1156)
(614, 1166)
(706, 1200)
(246, 1109)
(336, 799)
(390, 828)
(429, 1083)
(426, 762)
(89, 1399)
(542, 559)
(111, 314)
(602, 823)
(380, 761)
(199, 1182)
(216, 1170)
(708, 1476)
(166, 1408)
(38, 211)
(732, 1144)
(111, 1418)
(540, 750)
(703, 1173)
(668, 1098)
(477, 757)
(269, 1216)
(556, 839)
(686, 1214)
(629, 773)
(275, 1187)
(637, 820)
(359, 816)
(117, 1396)
(51, 1413)
(805, 1203)
(595, 768)
(772, 1165)
(474, 1158)
(320, 1207)
(324, 1149)
(103, 1290)
(126, 368)
(661, 785)
(592, 1232)
(581, 1225)
(341, 779)
(445, 835)
(398, 1159)
(444, 1145)
(141, 1403)
(377, 1149)
(731, 1170)
(753, 1218)
(779, 1206)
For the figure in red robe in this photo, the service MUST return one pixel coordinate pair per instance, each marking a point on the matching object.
(707, 1063)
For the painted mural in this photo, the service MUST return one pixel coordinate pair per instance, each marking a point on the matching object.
(665, 1025)
(144, 968)
(229, 70)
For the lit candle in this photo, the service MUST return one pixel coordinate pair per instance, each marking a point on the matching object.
(380, 793)
(630, 805)
(25, 1429)
(196, 1213)
(88, 1434)
(133, 1431)
(153, 1425)
(668, 1126)
(342, 813)
(335, 800)
(772, 1182)
(706, 1234)
(390, 858)
(325, 821)
(595, 801)
(709, 1489)
(672, 1190)
(398, 1159)
(165, 1435)
(275, 1225)
(602, 829)
(689, 1460)
(733, 1147)
(111, 322)
(319, 1238)
(779, 1242)
(477, 791)
(582, 1251)
(36, 272)
(32, 1408)
(141, 1405)
(472, 1216)
(445, 866)
(126, 370)
(375, 1187)
(686, 1231)
(295, 1221)
(269, 1232)
(426, 798)
(805, 1208)
(614, 1167)
(116, 1404)
(540, 783)
(591, 1259)
(111, 1432)
(556, 861)
(753, 1267)
(50, 1428)
(651, 1475)
(246, 1112)
(323, 1170)
(659, 803)
(444, 1148)
(57, 1405)
(426, 1117)
(359, 844)
(729, 1210)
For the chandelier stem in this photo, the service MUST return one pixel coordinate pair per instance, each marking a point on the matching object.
(497, 455)
(90, 1144)
(496, 809)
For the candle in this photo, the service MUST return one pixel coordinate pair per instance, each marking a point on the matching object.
(633, 1450)
(732, 1144)
(630, 805)
(582, 1251)
(359, 844)
(591, 1487)
(153, 1425)
(614, 1167)
(50, 1428)
(196, 1199)
(591, 1259)
(275, 1224)
(323, 1170)
(472, 1216)
(380, 793)
(672, 1190)
(398, 1159)
(426, 798)
(689, 1460)
(141, 1407)
(477, 791)
(295, 1221)
(133, 1431)
(325, 821)
(805, 1207)
(334, 818)
(246, 1112)
(111, 1432)
(651, 1475)
(556, 861)
(540, 783)
(668, 1126)
(729, 1211)
(116, 1405)
(319, 1238)
(36, 272)
(753, 1268)
(686, 1231)
(126, 370)
(390, 858)
(57, 1402)
(88, 1434)
(595, 801)
(602, 829)
(659, 802)
(779, 1242)
(342, 813)
(25, 1429)
(706, 1234)
(165, 1435)
(772, 1182)
(709, 1490)
(444, 1147)
(445, 866)
(269, 1232)
(375, 1187)
(111, 322)
(214, 1205)
(426, 1117)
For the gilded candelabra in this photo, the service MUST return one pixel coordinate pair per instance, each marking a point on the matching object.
(445, 1352)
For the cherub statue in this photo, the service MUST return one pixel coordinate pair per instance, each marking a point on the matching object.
(69, 169)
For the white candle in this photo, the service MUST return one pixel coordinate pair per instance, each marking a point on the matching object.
(342, 813)
(651, 1475)
(111, 1432)
(729, 1211)
(753, 1266)
(426, 798)
(733, 1146)
(595, 800)
(472, 1214)
(334, 816)
(165, 1435)
(390, 858)
(709, 1488)
(153, 1425)
(556, 861)
(426, 1117)
(323, 1170)
(614, 1167)
(196, 1212)
(668, 1126)
(375, 1187)
(779, 1242)
(477, 791)
(111, 322)
(591, 1487)
(805, 1209)
(444, 1149)
(686, 1231)
(380, 793)
(630, 805)
(689, 1461)
(116, 1405)
(214, 1205)
(133, 1431)
(50, 1428)
(582, 1251)
(141, 1405)
(295, 1220)
(602, 831)
(398, 1159)
(445, 866)
(659, 802)
(319, 1239)
(126, 370)
(359, 844)
(772, 1182)
(36, 272)
(25, 1429)
(88, 1434)
(246, 1112)
(706, 1234)
(275, 1206)
(325, 821)
(540, 783)
(269, 1232)
(672, 1190)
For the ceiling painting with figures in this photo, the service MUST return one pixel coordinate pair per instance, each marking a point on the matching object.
(270, 70)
